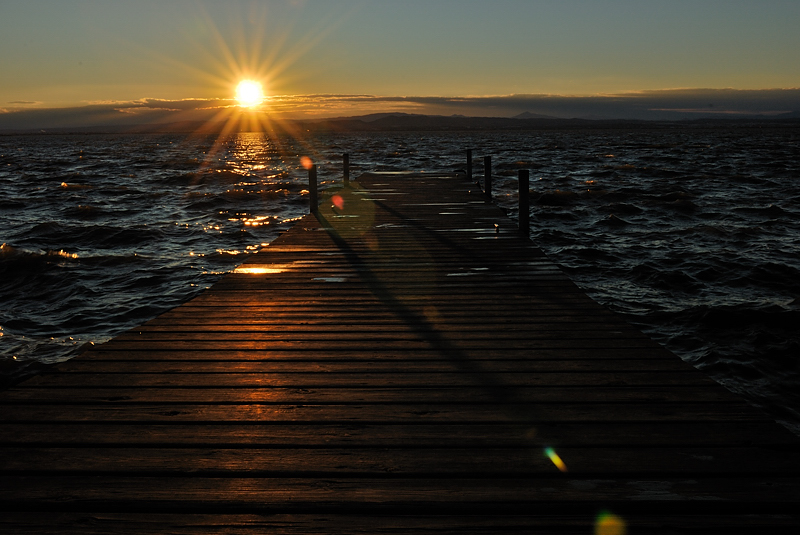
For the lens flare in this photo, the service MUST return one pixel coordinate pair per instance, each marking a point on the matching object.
(609, 524)
(306, 162)
(553, 456)
(338, 202)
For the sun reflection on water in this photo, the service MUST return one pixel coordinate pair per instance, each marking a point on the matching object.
(258, 270)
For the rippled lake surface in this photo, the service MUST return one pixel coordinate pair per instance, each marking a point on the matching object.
(692, 233)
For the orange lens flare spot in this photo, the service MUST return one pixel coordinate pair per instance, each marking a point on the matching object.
(609, 524)
(553, 456)
(306, 162)
(338, 202)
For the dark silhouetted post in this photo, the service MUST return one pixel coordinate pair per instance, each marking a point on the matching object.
(487, 176)
(346, 169)
(524, 202)
(312, 189)
(469, 165)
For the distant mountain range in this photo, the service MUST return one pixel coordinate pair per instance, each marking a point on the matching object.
(406, 122)
(410, 122)
(377, 116)
(523, 121)
(529, 115)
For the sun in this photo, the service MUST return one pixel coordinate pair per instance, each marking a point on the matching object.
(249, 93)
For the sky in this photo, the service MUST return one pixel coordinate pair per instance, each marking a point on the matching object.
(79, 62)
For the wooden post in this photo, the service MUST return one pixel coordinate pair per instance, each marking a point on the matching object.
(312, 189)
(346, 169)
(524, 202)
(469, 165)
(487, 176)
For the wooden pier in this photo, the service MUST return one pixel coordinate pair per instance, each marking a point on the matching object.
(404, 361)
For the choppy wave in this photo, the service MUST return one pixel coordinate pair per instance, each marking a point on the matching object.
(101, 233)
(692, 234)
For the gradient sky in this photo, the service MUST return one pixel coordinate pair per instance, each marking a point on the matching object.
(71, 53)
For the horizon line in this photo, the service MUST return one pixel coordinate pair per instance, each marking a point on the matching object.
(661, 104)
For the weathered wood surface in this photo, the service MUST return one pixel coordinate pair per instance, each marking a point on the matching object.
(398, 364)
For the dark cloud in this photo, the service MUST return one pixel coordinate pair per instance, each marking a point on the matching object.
(647, 105)
(670, 104)
(175, 105)
(114, 114)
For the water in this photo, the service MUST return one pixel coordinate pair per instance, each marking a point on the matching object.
(691, 233)
(101, 233)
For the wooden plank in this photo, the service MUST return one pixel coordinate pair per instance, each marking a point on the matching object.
(443, 345)
(371, 354)
(719, 433)
(115, 409)
(378, 336)
(448, 462)
(464, 378)
(268, 322)
(361, 392)
(731, 523)
(491, 496)
(354, 365)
